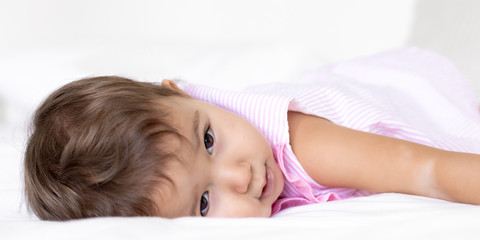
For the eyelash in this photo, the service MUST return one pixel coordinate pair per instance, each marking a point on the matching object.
(209, 140)
(204, 204)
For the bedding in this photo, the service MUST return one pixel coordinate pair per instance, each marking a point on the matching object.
(383, 216)
(392, 216)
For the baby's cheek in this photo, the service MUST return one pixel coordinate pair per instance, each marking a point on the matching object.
(242, 209)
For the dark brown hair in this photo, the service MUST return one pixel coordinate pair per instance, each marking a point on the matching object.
(95, 149)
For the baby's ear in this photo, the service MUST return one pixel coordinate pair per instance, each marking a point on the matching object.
(173, 86)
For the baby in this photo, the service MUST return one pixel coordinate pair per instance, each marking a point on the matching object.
(111, 146)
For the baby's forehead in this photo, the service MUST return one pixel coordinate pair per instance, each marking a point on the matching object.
(176, 109)
(174, 194)
(171, 194)
(184, 120)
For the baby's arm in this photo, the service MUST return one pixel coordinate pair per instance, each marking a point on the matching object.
(336, 156)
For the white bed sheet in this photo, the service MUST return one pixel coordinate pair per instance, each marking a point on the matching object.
(383, 216)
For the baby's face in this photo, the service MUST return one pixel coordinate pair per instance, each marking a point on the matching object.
(228, 170)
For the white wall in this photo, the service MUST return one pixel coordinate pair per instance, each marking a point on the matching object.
(453, 29)
(328, 30)
(341, 28)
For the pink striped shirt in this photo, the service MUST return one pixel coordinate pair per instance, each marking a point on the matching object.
(409, 94)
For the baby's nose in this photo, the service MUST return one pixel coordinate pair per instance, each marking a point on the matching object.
(236, 176)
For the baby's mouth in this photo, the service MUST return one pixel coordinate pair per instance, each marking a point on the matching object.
(268, 187)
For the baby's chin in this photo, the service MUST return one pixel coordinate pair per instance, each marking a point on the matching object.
(265, 214)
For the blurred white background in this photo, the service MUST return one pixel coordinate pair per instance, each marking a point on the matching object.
(372, 24)
(132, 37)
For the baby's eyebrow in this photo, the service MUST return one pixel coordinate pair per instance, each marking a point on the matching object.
(196, 126)
(195, 202)
(196, 123)
(192, 209)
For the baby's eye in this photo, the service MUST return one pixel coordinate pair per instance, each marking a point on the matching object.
(204, 204)
(209, 140)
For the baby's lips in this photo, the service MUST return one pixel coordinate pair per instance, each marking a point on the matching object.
(268, 187)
